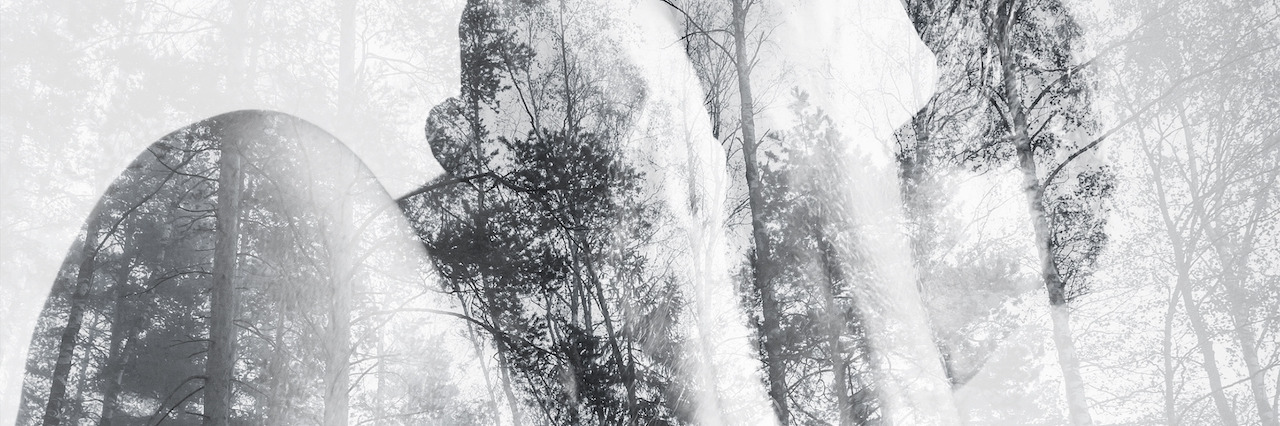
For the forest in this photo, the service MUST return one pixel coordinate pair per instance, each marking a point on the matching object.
(649, 212)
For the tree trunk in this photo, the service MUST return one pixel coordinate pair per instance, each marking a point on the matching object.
(914, 191)
(628, 381)
(1249, 351)
(1238, 310)
(53, 410)
(505, 370)
(1229, 280)
(122, 331)
(921, 198)
(73, 413)
(341, 237)
(1175, 239)
(1234, 264)
(337, 366)
(380, 394)
(484, 368)
(220, 361)
(1077, 403)
(337, 378)
(1170, 389)
(835, 329)
(1182, 262)
(1205, 343)
(504, 367)
(278, 368)
(763, 267)
(220, 366)
(341, 272)
(633, 408)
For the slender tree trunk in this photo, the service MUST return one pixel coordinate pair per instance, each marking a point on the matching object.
(1060, 313)
(1205, 343)
(223, 306)
(277, 404)
(918, 198)
(73, 413)
(1238, 311)
(763, 270)
(1234, 265)
(338, 342)
(835, 329)
(921, 198)
(1182, 263)
(1176, 241)
(1249, 351)
(628, 382)
(380, 394)
(338, 338)
(914, 192)
(1077, 403)
(220, 361)
(578, 300)
(340, 244)
(633, 409)
(505, 370)
(484, 367)
(113, 373)
(54, 408)
(863, 401)
(1275, 397)
(1170, 390)
(504, 366)
(122, 330)
(1199, 192)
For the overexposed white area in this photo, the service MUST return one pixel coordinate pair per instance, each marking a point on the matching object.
(673, 133)
(863, 66)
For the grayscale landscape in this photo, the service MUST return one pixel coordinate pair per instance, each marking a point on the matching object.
(640, 212)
